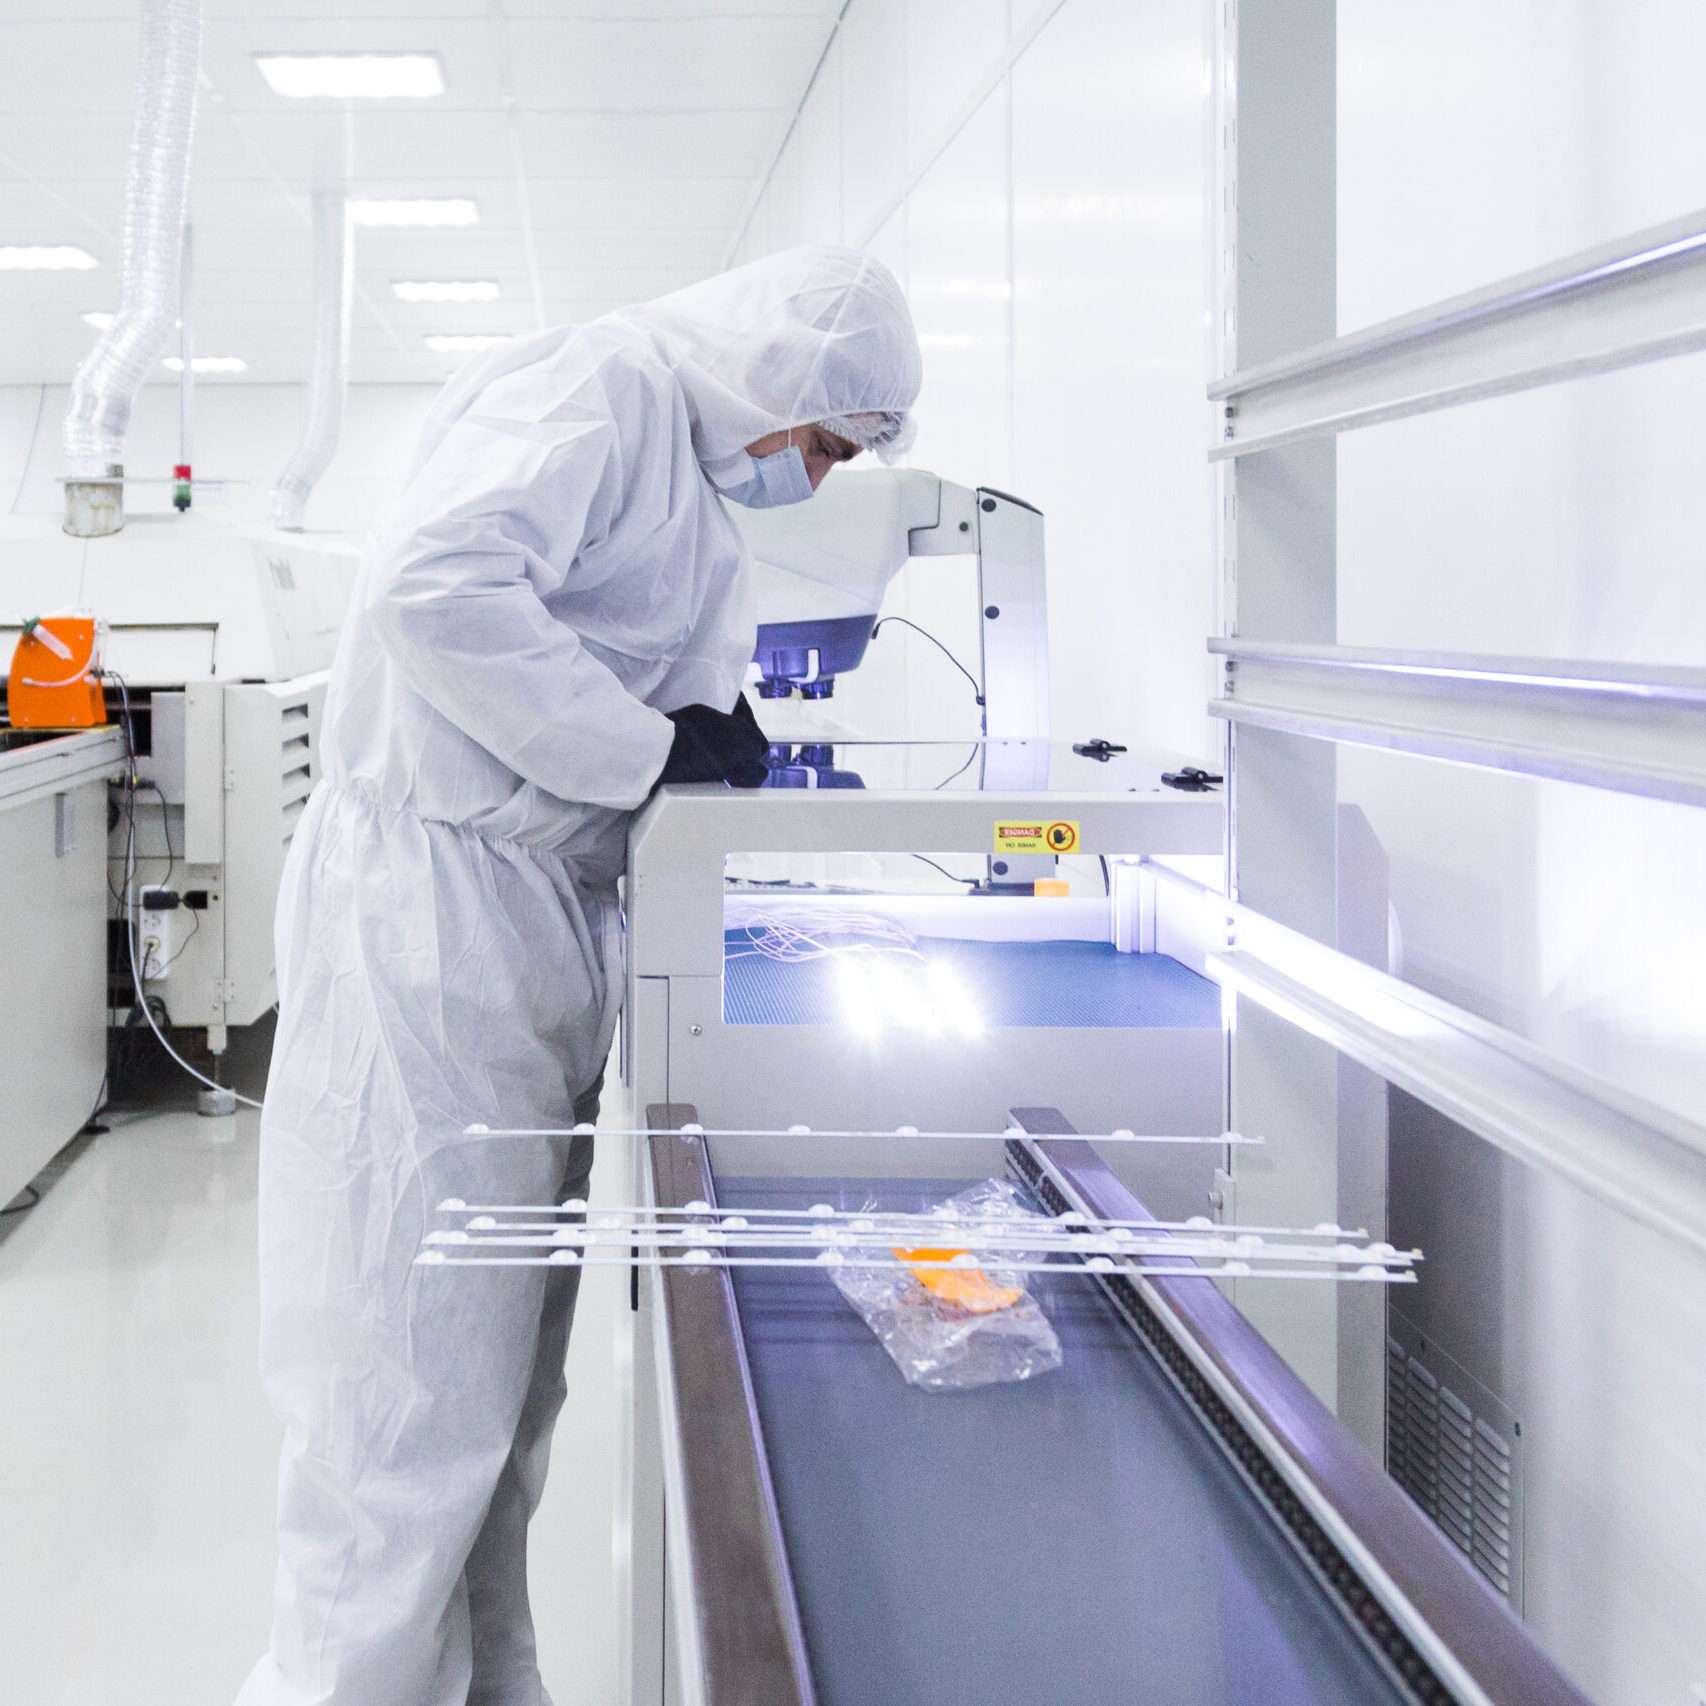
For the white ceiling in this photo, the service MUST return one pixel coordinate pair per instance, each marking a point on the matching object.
(636, 131)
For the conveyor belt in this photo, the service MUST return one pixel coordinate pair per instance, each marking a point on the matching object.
(1070, 984)
(1078, 1539)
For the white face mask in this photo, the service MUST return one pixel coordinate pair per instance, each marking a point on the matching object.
(777, 479)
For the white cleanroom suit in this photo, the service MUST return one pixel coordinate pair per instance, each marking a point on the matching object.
(560, 573)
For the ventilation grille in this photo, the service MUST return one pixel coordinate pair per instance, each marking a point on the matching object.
(1456, 1450)
(297, 762)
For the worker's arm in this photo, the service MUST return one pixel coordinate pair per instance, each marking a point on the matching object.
(492, 518)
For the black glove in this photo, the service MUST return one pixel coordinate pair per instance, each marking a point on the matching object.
(717, 746)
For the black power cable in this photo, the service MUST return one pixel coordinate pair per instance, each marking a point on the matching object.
(944, 870)
(976, 685)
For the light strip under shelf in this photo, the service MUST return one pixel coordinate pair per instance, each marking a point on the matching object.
(1634, 300)
(1638, 729)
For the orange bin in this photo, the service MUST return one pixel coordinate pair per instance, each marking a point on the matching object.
(54, 682)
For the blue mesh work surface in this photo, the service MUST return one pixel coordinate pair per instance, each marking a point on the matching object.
(1077, 1538)
(1075, 985)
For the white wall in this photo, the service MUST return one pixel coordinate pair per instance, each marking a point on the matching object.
(242, 433)
(1033, 173)
(1478, 137)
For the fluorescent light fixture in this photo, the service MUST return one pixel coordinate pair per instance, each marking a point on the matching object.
(45, 257)
(461, 343)
(445, 290)
(102, 318)
(352, 76)
(419, 210)
(208, 364)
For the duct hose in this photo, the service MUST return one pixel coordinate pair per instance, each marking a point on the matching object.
(156, 197)
(329, 365)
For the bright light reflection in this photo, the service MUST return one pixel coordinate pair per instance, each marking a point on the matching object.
(882, 992)
(860, 1006)
(954, 999)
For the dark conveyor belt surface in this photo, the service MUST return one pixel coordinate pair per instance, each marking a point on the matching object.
(1073, 1541)
(1068, 984)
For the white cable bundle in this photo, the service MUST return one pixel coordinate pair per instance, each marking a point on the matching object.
(799, 933)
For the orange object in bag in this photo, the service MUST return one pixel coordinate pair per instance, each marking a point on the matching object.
(970, 1289)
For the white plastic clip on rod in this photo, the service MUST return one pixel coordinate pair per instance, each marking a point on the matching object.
(1095, 1267)
(824, 1236)
(907, 1133)
(693, 1211)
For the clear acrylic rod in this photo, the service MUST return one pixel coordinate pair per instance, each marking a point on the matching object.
(907, 1133)
(1097, 1268)
(615, 1214)
(982, 1248)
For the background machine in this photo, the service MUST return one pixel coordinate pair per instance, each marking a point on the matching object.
(217, 651)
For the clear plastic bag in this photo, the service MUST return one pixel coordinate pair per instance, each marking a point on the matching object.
(936, 1343)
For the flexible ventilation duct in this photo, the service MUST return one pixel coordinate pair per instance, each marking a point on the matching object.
(329, 365)
(156, 193)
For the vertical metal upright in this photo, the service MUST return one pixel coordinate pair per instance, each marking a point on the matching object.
(1275, 219)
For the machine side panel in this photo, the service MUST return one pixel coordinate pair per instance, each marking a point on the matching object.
(53, 907)
(272, 763)
(645, 1039)
(750, 1641)
(204, 773)
(1013, 592)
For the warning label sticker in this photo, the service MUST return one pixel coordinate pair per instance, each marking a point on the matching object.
(1037, 836)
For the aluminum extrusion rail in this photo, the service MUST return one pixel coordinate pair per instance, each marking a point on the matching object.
(1640, 298)
(1645, 1161)
(51, 763)
(752, 1650)
(1438, 1631)
(1637, 729)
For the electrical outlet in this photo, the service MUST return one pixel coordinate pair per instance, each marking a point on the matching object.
(158, 934)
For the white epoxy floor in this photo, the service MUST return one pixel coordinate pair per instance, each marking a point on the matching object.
(137, 1453)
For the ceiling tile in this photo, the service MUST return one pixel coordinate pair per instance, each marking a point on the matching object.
(93, 145)
(653, 64)
(828, 10)
(54, 66)
(638, 204)
(622, 145)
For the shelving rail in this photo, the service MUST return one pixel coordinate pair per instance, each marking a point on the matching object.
(1307, 1000)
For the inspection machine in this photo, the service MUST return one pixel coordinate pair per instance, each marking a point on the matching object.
(1171, 1514)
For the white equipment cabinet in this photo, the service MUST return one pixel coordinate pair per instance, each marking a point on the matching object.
(223, 638)
(53, 921)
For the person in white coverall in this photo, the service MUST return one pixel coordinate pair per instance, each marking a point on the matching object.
(556, 619)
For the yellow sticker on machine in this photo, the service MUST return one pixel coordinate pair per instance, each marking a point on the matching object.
(1038, 836)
